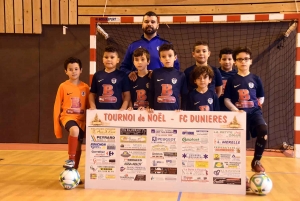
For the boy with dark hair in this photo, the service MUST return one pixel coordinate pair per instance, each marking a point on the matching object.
(226, 61)
(167, 84)
(201, 54)
(244, 92)
(149, 40)
(70, 105)
(201, 98)
(110, 87)
(139, 88)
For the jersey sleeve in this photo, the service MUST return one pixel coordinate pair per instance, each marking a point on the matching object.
(189, 102)
(127, 64)
(56, 112)
(176, 64)
(151, 90)
(216, 102)
(218, 78)
(183, 92)
(94, 85)
(260, 90)
(125, 84)
(87, 103)
(228, 88)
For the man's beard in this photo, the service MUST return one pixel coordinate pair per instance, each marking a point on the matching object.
(149, 30)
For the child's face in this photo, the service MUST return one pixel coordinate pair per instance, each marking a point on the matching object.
(203, 81)
(73, 71)
(243, 61)
(110, 60)
(141, 62)
(201, 54)
(226, 62)
(167, 58)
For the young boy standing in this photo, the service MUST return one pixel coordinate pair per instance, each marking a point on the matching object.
(200, 98)
(244, 92)
(70, 105)
(201, 54)
(226, 70)
(139, 88)
(110, 87)
(167, 84)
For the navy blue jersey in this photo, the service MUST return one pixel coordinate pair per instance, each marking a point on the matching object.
(244, 91)
(152, 46)
(216, 81)
(109, 88)
(166, 87)
(225, 76)
(139, 91)
(207, 101)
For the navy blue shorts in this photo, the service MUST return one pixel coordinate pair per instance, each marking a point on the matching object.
(71, 123)
(254, 119)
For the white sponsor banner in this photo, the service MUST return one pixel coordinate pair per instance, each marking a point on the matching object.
(195, 151)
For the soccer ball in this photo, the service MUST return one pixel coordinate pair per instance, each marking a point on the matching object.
(261, 184)
(69, 178)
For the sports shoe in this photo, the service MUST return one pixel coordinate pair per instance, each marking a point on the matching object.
(69, 164)
(257, 166)
(248, 188)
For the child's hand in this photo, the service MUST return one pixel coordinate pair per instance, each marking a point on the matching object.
(150, 73)
(132, 76)
(93, 108)
(150, 110)
(130, 108)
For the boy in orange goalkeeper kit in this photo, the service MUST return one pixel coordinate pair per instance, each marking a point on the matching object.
(70, 107)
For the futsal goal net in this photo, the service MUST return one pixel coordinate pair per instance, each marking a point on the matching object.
(272, 40)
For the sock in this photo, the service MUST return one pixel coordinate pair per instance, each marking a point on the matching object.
(72, 146)
(77, 159)
(259, 148)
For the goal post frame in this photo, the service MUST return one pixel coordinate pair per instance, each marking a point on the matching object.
(198, 19)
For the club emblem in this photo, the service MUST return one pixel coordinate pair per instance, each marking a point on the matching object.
(114, 80)
(174, 80)
(251, 85)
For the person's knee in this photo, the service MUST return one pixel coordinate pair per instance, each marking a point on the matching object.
(74, 131)
(262, 131)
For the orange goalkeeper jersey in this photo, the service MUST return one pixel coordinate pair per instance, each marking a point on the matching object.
(71, 103)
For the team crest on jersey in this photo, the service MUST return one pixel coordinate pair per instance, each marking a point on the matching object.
(210, 100)
(114, 80)
(83, 93)
(147, 85)
(251, 85)
(174, 80)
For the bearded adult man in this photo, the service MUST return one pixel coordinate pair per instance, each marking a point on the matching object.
(149, 40)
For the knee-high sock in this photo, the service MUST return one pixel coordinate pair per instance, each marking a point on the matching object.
(72, 146)
(259, 148)
(77, 159)
(261, 141)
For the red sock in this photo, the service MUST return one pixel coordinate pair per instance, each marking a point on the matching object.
(72, 146)
(77, 159)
